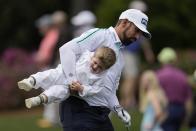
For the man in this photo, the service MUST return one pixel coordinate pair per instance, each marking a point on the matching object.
(174, 82)
(93, 112)
(132, 55)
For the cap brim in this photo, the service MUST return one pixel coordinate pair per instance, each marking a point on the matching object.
(147, 35)
(145, 32)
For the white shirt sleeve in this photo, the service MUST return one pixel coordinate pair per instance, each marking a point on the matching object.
(72, 50)
(112, 101)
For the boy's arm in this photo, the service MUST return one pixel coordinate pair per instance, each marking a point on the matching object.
(87, 90)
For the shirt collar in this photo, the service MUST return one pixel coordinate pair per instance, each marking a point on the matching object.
(116, 38)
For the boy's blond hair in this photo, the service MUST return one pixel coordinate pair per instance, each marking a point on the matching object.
(106, 55)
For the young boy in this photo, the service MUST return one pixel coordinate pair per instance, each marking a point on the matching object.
(91, 68)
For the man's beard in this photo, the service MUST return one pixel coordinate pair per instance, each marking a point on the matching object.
(127, 41)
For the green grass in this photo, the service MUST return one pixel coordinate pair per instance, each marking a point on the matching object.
(26, 121)
(23, 123)
(119, 126)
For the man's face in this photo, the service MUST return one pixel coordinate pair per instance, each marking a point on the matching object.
(130, 33)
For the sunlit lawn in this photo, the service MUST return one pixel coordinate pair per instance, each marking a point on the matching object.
(25, 120)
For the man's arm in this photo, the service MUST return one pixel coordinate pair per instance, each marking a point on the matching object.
(119, 110)
(68, 60)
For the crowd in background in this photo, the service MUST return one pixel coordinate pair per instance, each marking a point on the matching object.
(163, 94)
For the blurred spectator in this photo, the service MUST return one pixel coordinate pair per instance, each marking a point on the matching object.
(48, 42)
(138, 4)
(59, 20)
(175, 84)
(82, 22)
(43, 59)
(54, 30)
(153, 102)
(132, 62)
(192, 122)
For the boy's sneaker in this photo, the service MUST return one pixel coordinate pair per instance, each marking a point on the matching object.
(31, 102)
(26, 84)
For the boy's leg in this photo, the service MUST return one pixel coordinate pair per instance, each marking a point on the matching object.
(27, 84)
(36, 101)
(48, 78)
(53, 94)
(57, 93)
(43, 79)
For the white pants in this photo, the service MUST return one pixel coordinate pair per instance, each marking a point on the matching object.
(54, 83)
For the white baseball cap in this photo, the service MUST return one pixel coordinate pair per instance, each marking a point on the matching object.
(84, 18)
(138, 18)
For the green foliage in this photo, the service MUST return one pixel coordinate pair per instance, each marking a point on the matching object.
(171, 22)
(108, 11)
(17, 20)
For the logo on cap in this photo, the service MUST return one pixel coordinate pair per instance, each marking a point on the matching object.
(144, 21)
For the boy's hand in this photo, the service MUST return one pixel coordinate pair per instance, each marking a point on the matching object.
(76, 86)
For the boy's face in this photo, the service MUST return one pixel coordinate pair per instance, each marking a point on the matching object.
(96, 65)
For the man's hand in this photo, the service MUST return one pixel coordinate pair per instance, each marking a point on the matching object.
(123, 115)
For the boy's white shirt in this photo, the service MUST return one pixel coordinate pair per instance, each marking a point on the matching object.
(92, 83)
(56, 86)
(91, 40)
